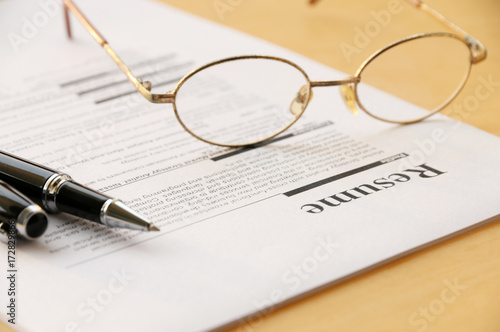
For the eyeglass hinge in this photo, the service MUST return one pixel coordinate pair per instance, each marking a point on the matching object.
(478, 50)
(167, 98)
(145, 84)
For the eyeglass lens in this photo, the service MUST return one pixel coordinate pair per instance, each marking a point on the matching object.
(426, 80)
(241, 102)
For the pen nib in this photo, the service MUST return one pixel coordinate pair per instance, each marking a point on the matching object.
(119, 215)
(153, 228)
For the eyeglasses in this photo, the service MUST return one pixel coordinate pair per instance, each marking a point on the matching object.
(245, 100)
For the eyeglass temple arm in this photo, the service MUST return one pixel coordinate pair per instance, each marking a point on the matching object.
(144, 88)
(478, 49)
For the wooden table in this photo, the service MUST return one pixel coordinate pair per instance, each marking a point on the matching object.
(414, 293)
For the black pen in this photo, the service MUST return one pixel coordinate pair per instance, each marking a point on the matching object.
(19, 215)
(56, 192)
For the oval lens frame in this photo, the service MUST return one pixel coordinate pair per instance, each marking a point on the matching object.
(374, 56)
(304, 99)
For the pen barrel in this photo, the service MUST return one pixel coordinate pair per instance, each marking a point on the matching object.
(19, 212)
(56, 192)
(81, 201)
(26, 176)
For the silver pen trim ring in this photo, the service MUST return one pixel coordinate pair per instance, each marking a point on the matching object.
(104, 211)
(24, 218)
(50, 190)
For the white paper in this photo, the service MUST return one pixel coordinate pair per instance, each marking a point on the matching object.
(236, 239)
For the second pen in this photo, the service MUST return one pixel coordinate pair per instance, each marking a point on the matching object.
(56, 192)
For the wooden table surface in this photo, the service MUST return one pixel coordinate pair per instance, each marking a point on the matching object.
(453, 286)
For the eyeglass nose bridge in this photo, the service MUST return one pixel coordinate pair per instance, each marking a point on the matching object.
(346, 90)
(348, 80)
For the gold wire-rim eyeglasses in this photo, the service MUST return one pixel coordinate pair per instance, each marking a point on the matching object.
(349, 85)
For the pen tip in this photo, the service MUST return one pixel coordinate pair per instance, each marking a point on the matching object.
(153, 228)
(121, 216)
